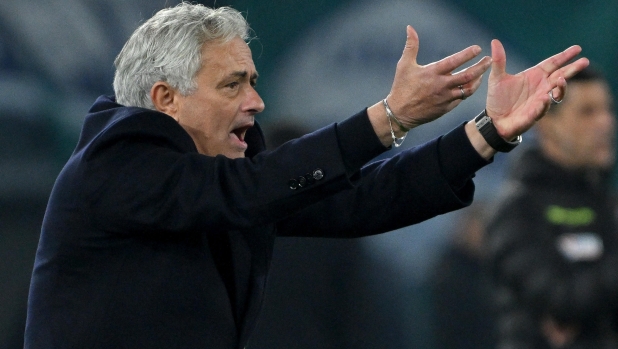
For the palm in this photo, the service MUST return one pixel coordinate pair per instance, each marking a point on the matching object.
(526, 97)
(515, 102)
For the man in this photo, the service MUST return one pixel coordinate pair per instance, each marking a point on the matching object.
(160, 228)
(553, 240)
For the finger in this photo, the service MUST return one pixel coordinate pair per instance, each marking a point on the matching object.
(556, 61)
(452, 62)
(468, 89)
(472, 87)
(559, 77)
(498, 57)
(560, 90)
(471, 73)
(459, 93)
(543, 107)
(410, 51)
(572, 69)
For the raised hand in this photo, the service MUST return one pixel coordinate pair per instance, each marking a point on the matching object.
(422, 93)
(515, 102)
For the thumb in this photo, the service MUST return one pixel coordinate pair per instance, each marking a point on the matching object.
(498, 57)
(410, 51)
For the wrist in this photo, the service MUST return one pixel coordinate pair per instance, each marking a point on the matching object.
(478, 142)
(486, 127)
(382, 124)
(397, 141)
(377, 117)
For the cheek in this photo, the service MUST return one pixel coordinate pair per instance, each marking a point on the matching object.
(201, 119)
(595, 145)
(211, 117)
(210, 127)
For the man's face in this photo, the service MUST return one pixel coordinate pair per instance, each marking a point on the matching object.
(584, 125)
(218, 114)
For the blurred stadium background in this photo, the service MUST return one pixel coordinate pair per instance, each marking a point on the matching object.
(319, 62)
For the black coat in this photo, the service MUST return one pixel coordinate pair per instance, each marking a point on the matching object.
(148, 244)
(544, 241)
(461, 293)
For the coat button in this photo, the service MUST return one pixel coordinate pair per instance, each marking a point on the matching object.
(302, 182)
(318, 174)
(293, 184)
(309, 178)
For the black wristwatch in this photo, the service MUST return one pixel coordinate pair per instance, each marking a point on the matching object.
(489, 132)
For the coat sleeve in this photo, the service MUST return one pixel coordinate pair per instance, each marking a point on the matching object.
(411, 187)
(134, 177)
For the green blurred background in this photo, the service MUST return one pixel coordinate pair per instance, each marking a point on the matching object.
(56, 57)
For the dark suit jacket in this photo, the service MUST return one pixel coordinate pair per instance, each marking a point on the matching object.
(148, 244)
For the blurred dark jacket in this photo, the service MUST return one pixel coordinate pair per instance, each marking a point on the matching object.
(553, 250)
(461, 290)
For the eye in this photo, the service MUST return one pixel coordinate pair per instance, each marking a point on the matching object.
(233, 85)
(587, 110)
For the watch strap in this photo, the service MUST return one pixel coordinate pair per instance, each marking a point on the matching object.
(487, 129)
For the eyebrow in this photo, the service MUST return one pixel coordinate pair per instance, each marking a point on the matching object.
(243, 73)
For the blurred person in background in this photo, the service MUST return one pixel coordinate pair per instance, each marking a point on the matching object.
(553, 238)
(160, 228)
(461, 288)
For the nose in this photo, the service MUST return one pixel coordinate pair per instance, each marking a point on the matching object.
(254, 102)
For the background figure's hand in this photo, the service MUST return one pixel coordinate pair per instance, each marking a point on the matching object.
(421, 94)
(558, 335)
(515, 102)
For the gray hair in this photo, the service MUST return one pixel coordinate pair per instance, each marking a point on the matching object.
(167, 47)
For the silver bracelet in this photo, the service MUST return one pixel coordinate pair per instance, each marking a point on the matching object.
(397, 142)
(390, 114)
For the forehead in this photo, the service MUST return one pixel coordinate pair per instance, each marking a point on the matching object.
(588, 92)
(227, 56)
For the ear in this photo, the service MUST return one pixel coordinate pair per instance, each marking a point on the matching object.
(164, 98)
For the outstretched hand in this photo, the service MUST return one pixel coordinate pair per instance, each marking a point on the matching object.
(515, 102)
(422, 93)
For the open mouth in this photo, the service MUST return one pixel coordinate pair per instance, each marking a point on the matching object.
(241, 132)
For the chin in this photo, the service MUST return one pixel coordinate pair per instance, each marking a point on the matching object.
(605, 163)
(234, 155)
